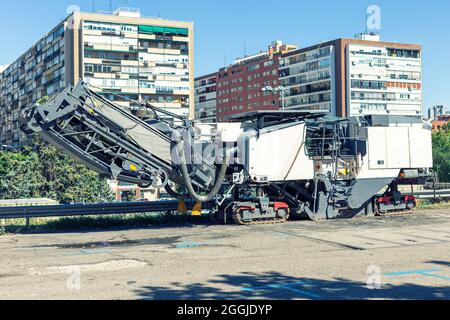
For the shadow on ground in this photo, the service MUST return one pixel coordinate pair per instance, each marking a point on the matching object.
(273, 285)
(442, 263)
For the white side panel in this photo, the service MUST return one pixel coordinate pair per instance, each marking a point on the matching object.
(397, 147)
(377, 148)
(280, 155)
(420, 146)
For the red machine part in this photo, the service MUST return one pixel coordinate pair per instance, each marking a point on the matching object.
(280, 205)
(247, 208)
(388, 200)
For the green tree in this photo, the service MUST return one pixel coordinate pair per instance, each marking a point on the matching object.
(441, 153)
(40, 170)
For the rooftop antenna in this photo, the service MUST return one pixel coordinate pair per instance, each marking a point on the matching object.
(245, 49)
(110, 7)
(93, 6)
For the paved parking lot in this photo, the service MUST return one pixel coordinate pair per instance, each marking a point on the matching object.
(399, 257)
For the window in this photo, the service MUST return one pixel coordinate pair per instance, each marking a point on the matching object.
(405, 96)
(403, 53)
(253, 67)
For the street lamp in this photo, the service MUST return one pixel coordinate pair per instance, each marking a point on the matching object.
(279, 89)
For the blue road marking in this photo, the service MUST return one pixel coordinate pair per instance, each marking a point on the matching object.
(426, 273)
(87, 252)
(286, 287)
(280, 235)
(411, 272)
(190, 244)
(437, 276)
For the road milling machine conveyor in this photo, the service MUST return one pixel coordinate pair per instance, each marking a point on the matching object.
(262, 167)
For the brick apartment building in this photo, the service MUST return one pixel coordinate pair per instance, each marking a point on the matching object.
(239, 85)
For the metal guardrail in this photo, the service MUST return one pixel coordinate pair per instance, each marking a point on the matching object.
(432, 194)
(99, 209)
(92, 209)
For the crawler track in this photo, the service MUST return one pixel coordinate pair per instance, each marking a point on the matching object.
(237, 219)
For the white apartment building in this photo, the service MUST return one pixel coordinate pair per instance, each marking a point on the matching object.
(353, 77)
(308, 75)
(124, 56)
(206, 98)
(383, 80)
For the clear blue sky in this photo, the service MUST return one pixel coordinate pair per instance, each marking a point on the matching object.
(222, 27)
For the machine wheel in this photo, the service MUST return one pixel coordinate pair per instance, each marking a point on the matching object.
(283, 213)
(411, 206)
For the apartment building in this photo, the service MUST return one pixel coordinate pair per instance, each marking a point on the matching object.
(351, 77)
(308, 76)
(206, 98)
(240, 85)
(39, 72)
(124, 56)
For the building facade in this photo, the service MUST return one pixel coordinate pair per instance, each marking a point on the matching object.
(351, 77)
(123, 56)
(439, 117)
(206, 98)
(440, 123)
(308, 76)
(40, 72)
(240, 85)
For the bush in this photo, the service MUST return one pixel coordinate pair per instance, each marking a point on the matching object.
(441, 153)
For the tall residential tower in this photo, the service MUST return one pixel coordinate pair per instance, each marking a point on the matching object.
(351, 77)
(122, 55)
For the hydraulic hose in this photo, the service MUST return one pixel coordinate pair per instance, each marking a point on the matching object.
(185, 174)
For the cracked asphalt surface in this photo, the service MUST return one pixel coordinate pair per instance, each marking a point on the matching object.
(400, 257)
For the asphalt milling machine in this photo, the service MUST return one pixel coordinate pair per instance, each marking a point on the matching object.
(261, 167)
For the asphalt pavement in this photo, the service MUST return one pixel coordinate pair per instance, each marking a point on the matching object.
(396, 257)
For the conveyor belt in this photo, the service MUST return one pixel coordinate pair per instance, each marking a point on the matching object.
(110, 140)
